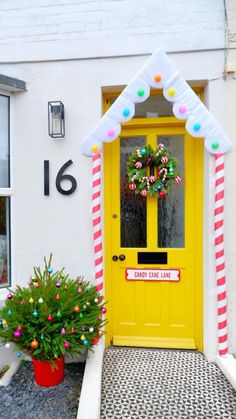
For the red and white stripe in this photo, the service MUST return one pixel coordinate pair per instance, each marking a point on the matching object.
(96, 220)
(220, 256)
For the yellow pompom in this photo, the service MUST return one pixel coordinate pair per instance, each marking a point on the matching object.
(31, 300)
(171, 92)
(4, 322)
(82, 337)
(95, 148)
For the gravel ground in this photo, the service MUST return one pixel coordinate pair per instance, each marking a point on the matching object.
(24, 399)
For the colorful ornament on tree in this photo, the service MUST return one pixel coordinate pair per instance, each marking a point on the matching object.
(50, 270)
(57, 297)
(151, 171)
(76, 309)
(49, 317)
(34, 344)
(17, 334)
(31, 300)
(95, 340)
(67, 344)
(9, 296)
(40, 300)
(35, 313)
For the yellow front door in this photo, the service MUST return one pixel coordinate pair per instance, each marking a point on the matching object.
(149, 233)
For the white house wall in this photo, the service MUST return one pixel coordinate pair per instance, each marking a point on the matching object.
(59, 29)
(126, 33)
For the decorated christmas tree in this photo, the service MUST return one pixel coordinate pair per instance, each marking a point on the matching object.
(52, 316)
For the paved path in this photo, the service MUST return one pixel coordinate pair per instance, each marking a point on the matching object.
(164, 384)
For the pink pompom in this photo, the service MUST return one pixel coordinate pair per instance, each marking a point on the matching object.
(111, 133)
(103, 310)
(182, 109)
(143, 192)
(17, 334)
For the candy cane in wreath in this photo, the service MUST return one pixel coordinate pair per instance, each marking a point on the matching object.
(165, 171)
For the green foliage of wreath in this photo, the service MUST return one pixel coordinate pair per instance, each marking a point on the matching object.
(152, 172)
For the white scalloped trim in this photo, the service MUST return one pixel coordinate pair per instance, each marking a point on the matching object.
(160, 73)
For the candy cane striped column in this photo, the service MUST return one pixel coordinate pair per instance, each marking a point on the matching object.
(220, 256)
(96, 219)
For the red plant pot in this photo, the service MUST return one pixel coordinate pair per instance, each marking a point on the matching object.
(49, 373)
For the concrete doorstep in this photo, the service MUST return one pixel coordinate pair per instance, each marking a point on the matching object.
(90, 397)
(227, 364)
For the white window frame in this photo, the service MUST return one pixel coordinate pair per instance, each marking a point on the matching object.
(8, 192)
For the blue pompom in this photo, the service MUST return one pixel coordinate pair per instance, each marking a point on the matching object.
(50, 270)
(143, 152)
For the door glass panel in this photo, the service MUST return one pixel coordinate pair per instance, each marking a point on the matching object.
(171, 208)
(133, 208)
(4, 141)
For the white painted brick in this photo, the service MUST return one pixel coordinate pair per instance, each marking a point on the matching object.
(108, 27)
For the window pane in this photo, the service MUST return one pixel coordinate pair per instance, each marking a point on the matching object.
(153, 107)
(171, 208)
(4, 241)
(4, 142)
(133, 207)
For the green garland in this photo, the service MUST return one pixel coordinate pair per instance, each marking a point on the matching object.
(152, 172)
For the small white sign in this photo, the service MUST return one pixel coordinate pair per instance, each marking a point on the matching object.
(172, 275)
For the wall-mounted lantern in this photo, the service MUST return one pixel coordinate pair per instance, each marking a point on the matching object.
(56, 121)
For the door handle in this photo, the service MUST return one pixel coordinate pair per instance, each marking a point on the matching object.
(115, 258)
(122, 257)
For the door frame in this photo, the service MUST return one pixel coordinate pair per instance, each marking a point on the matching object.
(198, 242)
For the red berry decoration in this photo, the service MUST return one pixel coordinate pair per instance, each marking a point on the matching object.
(49, 317)
(58, 297)
(162, 194)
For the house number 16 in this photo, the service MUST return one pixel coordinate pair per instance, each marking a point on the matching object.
(59, 179)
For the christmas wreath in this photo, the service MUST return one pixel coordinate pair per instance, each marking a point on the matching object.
(152, 172)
